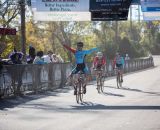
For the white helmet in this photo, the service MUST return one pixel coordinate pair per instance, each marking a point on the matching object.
(99, 54)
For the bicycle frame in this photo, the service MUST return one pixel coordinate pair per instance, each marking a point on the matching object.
(78, 85)
(99, 76)
(118, 77)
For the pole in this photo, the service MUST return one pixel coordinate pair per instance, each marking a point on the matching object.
(139, 15)
(116, 34)
(131, 20)
(23, 27)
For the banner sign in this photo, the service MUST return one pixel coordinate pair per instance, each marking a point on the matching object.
(109, 5)
(107, 10)
(62, 16)
(150, 5)
(151, 16)
(7, 31)
(105, 16)
(62, 5)
(80, 10)
(135, 2)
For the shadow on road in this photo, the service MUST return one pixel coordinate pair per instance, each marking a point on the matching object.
(15, 101)
(135, 90)
(112, 94)
(91, 106)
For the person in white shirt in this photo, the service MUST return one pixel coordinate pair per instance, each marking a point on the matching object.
(47, 58)
(127, 57)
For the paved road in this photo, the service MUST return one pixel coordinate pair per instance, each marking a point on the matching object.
(136, 106)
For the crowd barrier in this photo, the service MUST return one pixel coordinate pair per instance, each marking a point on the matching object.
(31, 78)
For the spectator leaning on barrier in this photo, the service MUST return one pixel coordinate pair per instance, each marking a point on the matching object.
(54, 58)
(60, 60)
(47, 58)
(32, 54)
(127, 57)
(16, 57)
(38, 59)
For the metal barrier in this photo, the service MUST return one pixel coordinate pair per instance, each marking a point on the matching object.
(20, 79)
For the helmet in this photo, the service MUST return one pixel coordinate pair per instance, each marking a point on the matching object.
(99, 54)
(80, 44)
(117, 54)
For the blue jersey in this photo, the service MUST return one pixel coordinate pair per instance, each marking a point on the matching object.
(80, 55)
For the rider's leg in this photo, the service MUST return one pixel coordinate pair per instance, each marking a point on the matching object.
(85, 70)
(74, 71)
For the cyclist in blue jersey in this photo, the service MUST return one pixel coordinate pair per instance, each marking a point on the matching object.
(119, 63)
(80, 54)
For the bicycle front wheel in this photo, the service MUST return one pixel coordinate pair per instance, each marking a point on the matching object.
(77, 93)
(81, 92)
(102, 84)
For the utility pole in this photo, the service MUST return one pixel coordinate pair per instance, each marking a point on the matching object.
(23, 27)
(139, 14)
(116, 31)
(131, 21)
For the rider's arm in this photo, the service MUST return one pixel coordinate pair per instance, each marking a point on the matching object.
(94, 62)
(90, 51)
(69, 48)
(103, 61)
(122, 61)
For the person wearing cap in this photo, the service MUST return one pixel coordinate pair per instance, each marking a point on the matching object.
(80, 55)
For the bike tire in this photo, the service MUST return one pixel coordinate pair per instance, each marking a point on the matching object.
(118, 80)
(98, 84)
(81, 92)
(102, 84)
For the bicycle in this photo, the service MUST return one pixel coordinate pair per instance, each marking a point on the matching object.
(79, 83)
(100, 80)
(118, 78)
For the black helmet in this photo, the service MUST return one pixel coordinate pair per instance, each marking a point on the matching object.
(80, 44)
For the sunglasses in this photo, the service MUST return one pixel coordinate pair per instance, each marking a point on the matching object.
(80, 46)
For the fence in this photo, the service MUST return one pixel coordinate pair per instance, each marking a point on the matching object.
(20, 79)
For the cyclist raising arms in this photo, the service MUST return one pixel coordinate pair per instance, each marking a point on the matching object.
(119, 62)
(80, 54)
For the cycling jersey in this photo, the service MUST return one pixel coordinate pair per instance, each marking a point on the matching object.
(99, 62)
(118, 61)
(80, 55)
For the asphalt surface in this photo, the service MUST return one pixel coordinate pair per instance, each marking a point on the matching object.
(135, 106)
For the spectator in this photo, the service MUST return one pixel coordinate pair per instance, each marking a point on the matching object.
(47, 58)
(54, 58)
(32, 54)
(38, 59)
(16, 57)
(127, 57)
(60, 60)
